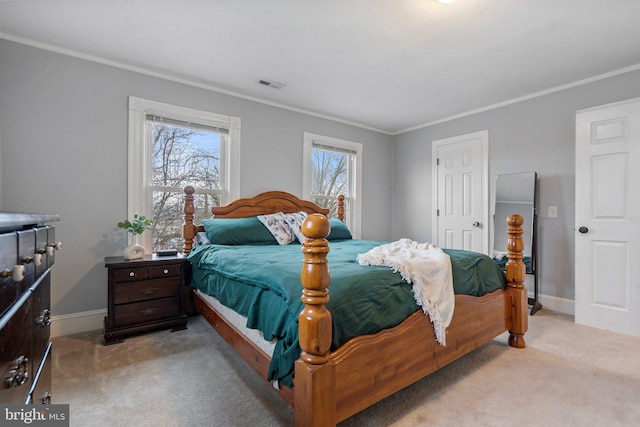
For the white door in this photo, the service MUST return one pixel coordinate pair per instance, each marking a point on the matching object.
(607, 228)
(461, 190)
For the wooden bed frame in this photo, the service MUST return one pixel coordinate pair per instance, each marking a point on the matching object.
(332, 386)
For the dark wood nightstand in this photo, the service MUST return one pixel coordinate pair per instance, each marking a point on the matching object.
(144, 295)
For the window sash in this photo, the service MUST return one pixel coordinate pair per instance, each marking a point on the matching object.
(140, 155)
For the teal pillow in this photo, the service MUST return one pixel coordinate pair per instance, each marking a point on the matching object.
(339, 230)
(238, 231)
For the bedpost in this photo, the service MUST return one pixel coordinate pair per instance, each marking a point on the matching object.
(314, 380)
(515, 281)
(188, 229)
(340, 210)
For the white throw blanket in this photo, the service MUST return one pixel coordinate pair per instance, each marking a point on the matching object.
(428, 269)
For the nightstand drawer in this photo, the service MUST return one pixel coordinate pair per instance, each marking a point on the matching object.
(147, 311)
(171, 270)
(148, 289)
(130, 274)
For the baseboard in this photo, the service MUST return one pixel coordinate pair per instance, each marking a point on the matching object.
(561, 305)
(68, 324)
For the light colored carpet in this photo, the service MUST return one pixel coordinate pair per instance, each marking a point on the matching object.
(569, 375)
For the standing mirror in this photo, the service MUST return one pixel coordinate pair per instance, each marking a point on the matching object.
(517, 193)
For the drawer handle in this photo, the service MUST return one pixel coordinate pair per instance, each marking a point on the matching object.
(44, 319)
(166, 271)
(18, 374)
(149, 291)
(148, 311)
(132, 274)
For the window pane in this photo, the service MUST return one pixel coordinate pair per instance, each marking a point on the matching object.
(330, 174)
(168, 216)
(184, 156)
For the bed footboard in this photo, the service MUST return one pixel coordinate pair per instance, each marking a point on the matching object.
(330, 387)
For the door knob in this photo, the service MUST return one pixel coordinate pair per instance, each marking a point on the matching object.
(583, 230)
(476, 224)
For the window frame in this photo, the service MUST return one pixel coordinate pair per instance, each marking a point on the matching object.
(355, 199)
(140, 154)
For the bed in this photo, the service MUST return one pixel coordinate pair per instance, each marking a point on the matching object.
(332, 383)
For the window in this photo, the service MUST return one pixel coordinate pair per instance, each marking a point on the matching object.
(171, 147)
(332, 167)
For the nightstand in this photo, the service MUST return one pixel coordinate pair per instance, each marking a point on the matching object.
(143, 295)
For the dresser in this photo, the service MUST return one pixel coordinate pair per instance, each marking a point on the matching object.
(144, 295)
(27, 253)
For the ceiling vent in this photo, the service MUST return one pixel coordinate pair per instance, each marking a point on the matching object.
(271, 84)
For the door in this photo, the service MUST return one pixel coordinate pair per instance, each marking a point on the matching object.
(461, 192)
(607, 236)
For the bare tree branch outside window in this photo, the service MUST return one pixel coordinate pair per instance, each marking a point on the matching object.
(182, 156)
(330, 177)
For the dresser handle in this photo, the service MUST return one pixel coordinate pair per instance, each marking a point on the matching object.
(44, 319)
(148, 311)
(132, 274)
(18, 374)
(166, 271)
(149, 290)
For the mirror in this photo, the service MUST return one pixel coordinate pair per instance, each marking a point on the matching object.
(517, 193)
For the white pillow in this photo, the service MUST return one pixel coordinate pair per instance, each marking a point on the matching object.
(278, 226)
(295, 221)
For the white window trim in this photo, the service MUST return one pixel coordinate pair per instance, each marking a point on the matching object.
(307, 169)
(139, 172)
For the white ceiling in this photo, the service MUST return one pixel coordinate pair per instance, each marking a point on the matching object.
(389, 65)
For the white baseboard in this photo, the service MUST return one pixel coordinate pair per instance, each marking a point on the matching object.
(68, 324)
(561, 305)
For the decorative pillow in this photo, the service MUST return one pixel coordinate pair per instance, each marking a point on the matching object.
(202, 239)
(277, 224)
(237, 231)
(339, 230)
(295, 223)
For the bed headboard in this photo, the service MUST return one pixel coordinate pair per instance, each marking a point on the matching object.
(264, 203)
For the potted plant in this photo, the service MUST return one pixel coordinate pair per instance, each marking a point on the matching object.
(139, 224)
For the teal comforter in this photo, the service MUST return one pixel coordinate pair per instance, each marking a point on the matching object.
(263, 284)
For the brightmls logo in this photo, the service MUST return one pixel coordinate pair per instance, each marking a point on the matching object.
(44, 416)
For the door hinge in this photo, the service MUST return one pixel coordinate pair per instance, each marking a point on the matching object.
(437, 212)
(438, 162)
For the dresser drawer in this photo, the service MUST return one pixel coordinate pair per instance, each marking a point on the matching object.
(146, 311)
(26, 253)
(41, 315)
(16, 361)
(149, 289)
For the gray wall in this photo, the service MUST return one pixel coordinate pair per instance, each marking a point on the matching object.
(63, 124)
(534, 135)
(63, 136)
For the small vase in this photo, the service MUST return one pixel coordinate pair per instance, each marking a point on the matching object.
(133, 251)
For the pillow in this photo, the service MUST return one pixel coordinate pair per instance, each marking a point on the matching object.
(237, 231)
(277, 224)
(295, 221)
(202, 239)
(339, 230)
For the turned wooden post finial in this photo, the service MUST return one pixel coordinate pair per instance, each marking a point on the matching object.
(314, 322)
(188, 228)
(340, 210)
(516, 273)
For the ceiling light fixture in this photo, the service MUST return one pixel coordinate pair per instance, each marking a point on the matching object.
(447, 1)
